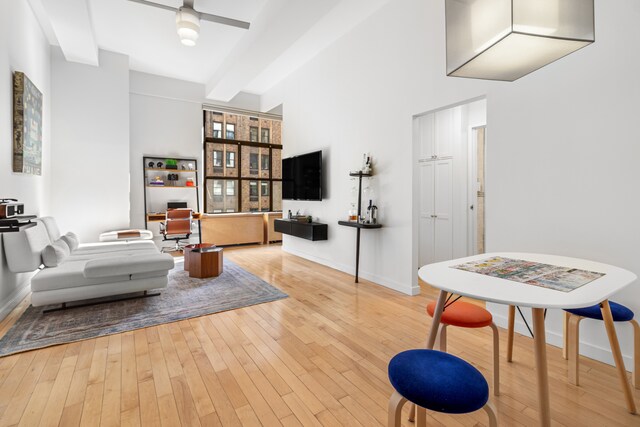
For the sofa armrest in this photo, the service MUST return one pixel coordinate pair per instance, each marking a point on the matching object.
(135, 264)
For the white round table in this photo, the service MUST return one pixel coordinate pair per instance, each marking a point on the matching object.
(479, 286)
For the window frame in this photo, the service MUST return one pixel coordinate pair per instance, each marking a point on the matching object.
(232, 131)
(239, 177)
(233, 158)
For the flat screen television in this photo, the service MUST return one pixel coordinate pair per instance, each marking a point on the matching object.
(302, 177)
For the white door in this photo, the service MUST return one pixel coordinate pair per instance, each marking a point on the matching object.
(426, 249)
(426, 131)
(443, 204)
(447, 129)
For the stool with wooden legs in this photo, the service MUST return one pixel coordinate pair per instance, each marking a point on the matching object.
(466, 315)
(571, 350)
(439, 382)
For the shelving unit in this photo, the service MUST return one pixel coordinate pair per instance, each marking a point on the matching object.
(15, 224)
(357, 224)
(163, 172)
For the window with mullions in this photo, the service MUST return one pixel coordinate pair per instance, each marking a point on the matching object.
(217, 159)
(231, 159)
(253, 191)
(253, 163)
(231, 131)
(264, 136)
(217, 129)
(243, 163)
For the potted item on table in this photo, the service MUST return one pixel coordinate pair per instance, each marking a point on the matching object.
(171, 164)
(190, 182)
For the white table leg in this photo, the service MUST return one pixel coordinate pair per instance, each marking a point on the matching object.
(617, 355)
(540, 346)
(433, 333)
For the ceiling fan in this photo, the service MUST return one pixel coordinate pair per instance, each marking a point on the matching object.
(188, 20)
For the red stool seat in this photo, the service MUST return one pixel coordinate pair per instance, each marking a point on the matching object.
(463, 314)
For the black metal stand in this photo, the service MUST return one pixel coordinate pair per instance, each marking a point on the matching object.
(64, 305)
(357, 224)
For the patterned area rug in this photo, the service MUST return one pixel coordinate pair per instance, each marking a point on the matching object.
(183, 298)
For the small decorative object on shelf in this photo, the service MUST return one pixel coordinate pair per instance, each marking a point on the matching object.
(159, 164)
(151, 164)
(190, 165)
(157, 181)
(366, 163)
(190, 182)
(171, 164)
(372, 213)
(309, 219)
(172, 178)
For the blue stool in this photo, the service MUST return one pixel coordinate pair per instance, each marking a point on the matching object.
(439, 382)
(571, 350)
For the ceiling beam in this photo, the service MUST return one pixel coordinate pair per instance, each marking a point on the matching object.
(70, 20)
(279, 24)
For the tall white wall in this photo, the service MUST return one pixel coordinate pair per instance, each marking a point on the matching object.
(166, 120)
(23, 47)
(90, 155)
(562, 174)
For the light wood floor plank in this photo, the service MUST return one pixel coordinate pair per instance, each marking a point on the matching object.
(316, 358)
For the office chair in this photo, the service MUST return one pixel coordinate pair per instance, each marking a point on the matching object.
(177, 226)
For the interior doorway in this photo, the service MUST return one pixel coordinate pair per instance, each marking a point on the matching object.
(449, 171)
(477, 181)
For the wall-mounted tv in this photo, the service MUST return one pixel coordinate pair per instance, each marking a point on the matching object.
(302, 177)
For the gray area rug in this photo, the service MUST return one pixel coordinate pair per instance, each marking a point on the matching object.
(183, 298)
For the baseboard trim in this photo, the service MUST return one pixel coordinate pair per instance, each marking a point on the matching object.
(15, 299)
(378, 280)
(587, 349)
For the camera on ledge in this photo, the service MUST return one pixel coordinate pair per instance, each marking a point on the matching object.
(9, 208)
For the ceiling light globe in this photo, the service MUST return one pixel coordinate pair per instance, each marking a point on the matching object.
(188, 25)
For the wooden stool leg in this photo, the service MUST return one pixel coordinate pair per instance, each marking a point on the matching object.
(491, 411)
(510, 332)
(412, 412)
(617, 355)
(636, 354)
(496, 359)
(565, 334)
(443, 338)
(421, 417)
(572, 337)
(396, 403)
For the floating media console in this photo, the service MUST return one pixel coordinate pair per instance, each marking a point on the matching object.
(305, 230)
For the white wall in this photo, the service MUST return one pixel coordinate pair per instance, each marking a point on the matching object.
(23, 47)
(166, 120)
(90, 155)
(562, 174)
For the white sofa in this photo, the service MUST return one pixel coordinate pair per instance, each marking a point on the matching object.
(89, 271)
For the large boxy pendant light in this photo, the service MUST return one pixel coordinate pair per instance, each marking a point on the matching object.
(508, 39)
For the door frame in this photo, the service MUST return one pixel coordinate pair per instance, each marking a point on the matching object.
(472, 191)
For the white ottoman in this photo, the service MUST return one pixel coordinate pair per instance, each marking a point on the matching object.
(125, 235)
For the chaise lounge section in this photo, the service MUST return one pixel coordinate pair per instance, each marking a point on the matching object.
(83, 271)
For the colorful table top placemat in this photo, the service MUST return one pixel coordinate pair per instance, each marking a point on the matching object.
(564, 279)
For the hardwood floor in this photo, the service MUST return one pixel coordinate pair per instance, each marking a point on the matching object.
(317, 358)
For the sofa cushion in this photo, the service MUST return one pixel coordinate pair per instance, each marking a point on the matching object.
(55, 253)
(70, 274)
(89, 255)
(52, 227)
(23, 250)
(71, 240)
(135, 264)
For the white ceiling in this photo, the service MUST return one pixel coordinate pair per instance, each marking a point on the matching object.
(284, 35)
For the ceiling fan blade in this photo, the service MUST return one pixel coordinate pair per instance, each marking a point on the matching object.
(225, 21)
(158, 5)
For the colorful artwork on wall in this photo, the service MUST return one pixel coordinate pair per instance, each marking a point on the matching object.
(27, 126)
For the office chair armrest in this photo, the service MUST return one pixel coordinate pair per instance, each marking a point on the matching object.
(162, 227)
